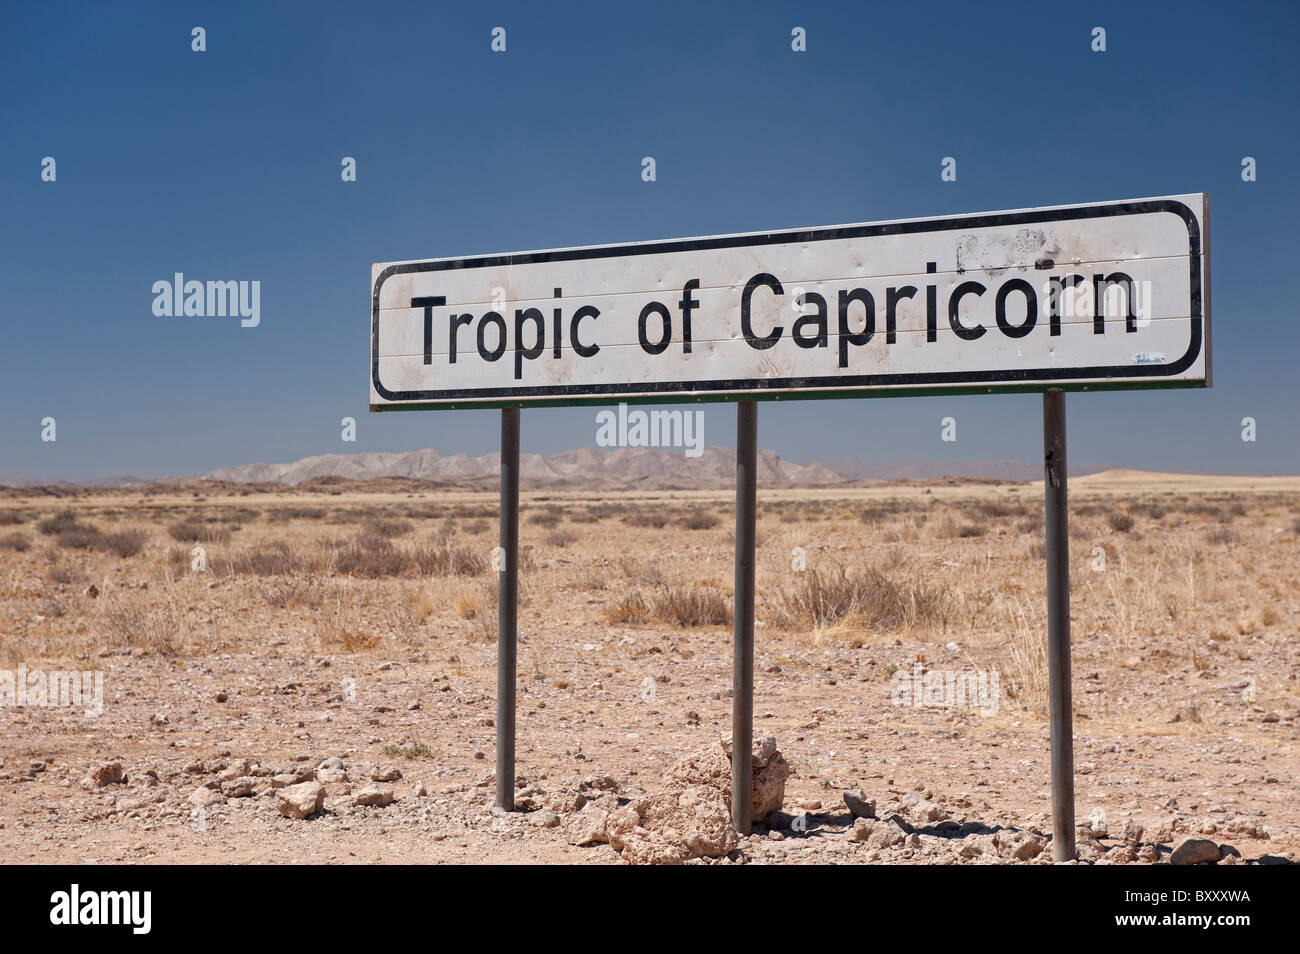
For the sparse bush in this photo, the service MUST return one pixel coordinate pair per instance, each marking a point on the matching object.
(678, 606)
(81, 537)
(57, 524)
(646, 518)
(592, 580)
(415, 750)
(631, 607)
(126, 543)
(1030, 525)
(17, 542)
(699, 520)
(971, 530)
(1151, 510)
(154, 630)
(235, 516)
(1120, 522)
(561, 538)
(371, 556)
(285, 590)
(193, 531)
(271, 560)
(67, 573)
(824, 597)
(11, 517)
(547, 518)
(691, 606)
(381, 527)
(285, 514)
(444, 558)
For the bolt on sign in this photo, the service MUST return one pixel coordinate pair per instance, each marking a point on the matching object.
(1078, 297)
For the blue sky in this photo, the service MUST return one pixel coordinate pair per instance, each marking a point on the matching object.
(225, 165)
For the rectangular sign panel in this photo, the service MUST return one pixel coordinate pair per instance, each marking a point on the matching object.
(1112, 295)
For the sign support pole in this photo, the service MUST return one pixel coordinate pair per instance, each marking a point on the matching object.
(1060, 711)
(507, 609)
(742, 704)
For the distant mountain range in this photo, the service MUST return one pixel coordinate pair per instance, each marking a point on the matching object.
(587, 466)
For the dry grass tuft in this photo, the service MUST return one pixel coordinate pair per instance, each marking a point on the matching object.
(675, 605)
(821, 598)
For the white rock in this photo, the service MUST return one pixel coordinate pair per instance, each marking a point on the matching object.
(302, 800)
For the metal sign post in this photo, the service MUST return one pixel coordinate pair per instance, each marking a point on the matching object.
(742, 668)
(508, 609)
(1060, 713)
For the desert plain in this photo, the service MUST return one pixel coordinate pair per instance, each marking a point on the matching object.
(341, 635)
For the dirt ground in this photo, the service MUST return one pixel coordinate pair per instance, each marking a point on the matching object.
(286, 628)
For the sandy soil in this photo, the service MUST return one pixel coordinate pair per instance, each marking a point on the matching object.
(296, 643)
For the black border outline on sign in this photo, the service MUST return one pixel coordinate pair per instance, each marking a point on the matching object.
(728, 389)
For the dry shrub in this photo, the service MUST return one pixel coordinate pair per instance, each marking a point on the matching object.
(477, 604)
(153, 629)
(284, 591)
(1031, 525)
(236, 516)
(381, 527)
(699, 520)
(339, 628)
(691, 606)
(80, 537)
(649, 576)
(18, 542)
(416, 750)
(444, 558)
(285, 514)
(11, 517)
(375, 557)
(646, 518)
(57, 524)
(1120, 522)
(561, 538)
(821, 598)
(67, 573)
(1151, 510)
(994, 510)
(678, 606)
(272, 559)
(194, 531)
(631, 607)
(126, 543)
(370, 556)
(592, 580)
(419, 603)
(1028, 687)
(547, 518)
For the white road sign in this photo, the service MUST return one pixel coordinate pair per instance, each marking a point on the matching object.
(1075, 297)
